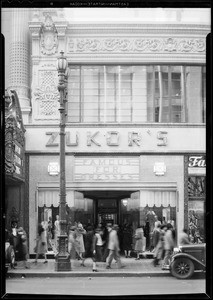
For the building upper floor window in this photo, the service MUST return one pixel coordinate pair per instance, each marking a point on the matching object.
(136, 94)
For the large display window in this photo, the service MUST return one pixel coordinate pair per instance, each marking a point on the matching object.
(129, 94)
(196, 208)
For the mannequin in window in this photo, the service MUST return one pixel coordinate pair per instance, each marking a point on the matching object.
(57, 231)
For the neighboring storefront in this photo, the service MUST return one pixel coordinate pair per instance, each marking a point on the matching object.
(196, 197)
(14, 160)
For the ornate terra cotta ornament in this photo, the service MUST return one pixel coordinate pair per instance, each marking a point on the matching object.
(49, 37)
(136, 45)
(47, 94)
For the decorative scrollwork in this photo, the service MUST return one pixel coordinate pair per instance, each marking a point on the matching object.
(47, 94)
(121, 45)
(49, 37)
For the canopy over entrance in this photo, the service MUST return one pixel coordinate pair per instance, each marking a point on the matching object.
(109, 194)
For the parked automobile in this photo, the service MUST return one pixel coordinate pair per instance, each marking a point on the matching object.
(9, 253)
(186, 259)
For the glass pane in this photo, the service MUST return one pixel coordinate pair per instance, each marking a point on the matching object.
(196, 221)
(194, 93)
(203, 94)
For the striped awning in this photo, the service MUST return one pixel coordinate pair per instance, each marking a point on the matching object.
(51, 197)
(158, 198)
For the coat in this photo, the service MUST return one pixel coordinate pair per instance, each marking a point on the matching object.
(183, 239)
(41, 247)
(168, 240)
(89, 244)
(127, 239)
(155, 237)
(113, 242)
(19, 242)
(80, 240)
(139, 239)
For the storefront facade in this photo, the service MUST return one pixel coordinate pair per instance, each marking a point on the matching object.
(15, 203)
(135, 118)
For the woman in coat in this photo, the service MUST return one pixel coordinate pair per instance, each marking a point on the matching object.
(80, 232)
(127, 241)
(72, 247)
(139, 236)
(41, 245)
(18, 239)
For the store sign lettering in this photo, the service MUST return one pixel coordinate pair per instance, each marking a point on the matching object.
(112, 139)
(197, 161)
(106, 169)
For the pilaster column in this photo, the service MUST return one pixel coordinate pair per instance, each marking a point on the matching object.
(19, 75)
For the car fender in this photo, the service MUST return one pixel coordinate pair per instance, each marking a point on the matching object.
(187, 256)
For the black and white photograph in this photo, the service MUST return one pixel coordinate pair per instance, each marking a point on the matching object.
(104, 151)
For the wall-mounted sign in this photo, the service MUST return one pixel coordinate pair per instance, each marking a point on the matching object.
(120, 139)
(197, 161)
(111, 138)
(107, 169)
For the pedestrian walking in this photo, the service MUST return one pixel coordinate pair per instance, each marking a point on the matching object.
(156, 235)
(139, 236)
(113, 246)
(159, 240)
(105, 239)
(18, 239)
(90, 247)
(41, 244)
(127, 240)
(80, 232)
(98, 244)
(168, 246)
(184, 238)
(72, 244)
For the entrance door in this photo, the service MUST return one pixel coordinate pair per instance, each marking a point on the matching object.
(107, 211)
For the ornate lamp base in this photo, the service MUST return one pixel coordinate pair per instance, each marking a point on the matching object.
(62, 260)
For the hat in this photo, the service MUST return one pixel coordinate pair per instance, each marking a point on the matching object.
(80, 225)
(97, 229)
(72, 228)
(163, 226)
(115, 226)
(109, 225)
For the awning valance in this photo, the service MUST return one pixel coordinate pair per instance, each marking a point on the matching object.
(51, 197)
(157, 198)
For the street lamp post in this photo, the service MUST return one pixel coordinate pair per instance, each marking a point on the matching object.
(62, 262)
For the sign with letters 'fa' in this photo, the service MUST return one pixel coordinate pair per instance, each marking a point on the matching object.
(197, 161)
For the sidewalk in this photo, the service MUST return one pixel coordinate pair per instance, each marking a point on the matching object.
(132, 267)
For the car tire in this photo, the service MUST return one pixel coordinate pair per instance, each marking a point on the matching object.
(182, 268)
(10, 256)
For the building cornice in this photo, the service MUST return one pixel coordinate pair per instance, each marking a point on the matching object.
(137, 28)
(132, 125)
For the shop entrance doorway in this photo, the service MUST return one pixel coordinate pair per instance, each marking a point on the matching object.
(107, 211)
(107, 205)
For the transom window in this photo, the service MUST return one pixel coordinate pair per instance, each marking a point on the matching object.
(136, 94)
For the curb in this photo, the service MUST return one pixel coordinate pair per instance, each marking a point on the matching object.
(87, 274)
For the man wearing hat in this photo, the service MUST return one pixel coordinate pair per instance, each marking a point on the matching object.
(113, 246)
